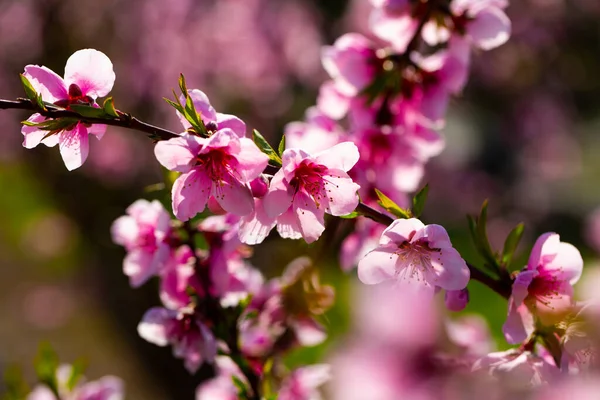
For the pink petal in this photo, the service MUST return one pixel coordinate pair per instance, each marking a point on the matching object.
(568, 264)
(456, 300)
(98, 130)
(378, 265)
(309, 332)
(519, 323)
(124, 231)
(400, 231)
(34, 136)
(234, 196)
(341, 193)
(138, 266)
(251, 161)
(92, 71)
(255, 227)
(190, 194)
(232, 122)
(546, 244)
(177, 154)
(74, 146)
(437, 236)
(332, 102)
(153, 326)
(450, 270)
(310, 218)
(288, 225)
(280, 196)
(47, 83)
(202, 105)
(398, 30)
(490, 28)
(341, 156)
(520, 287)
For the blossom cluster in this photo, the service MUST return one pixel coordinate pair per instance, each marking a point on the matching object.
(375, 125)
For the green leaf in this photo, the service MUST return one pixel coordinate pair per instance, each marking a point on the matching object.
(29, 90)
(189, 111)
(46, 363)
(419, 200)
(176, 106)
(242, 391)
(266, 148)
(511, 243)
(88, 111)
(15, 386)
(77, 370)
(352, 215)
(109, 107)
(391, 206)
(281, 147)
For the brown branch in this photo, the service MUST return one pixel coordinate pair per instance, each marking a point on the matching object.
(124, 120)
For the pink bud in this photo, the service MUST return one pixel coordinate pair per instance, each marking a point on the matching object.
(456, 300)
(259, 186)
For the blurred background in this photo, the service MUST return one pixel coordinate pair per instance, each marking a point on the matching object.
(524, 135)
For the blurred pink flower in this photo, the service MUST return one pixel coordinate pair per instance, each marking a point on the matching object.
(88, 75)
(144, 232)
(544, 288)
(222, 386)
(317, 133)
(303, 383)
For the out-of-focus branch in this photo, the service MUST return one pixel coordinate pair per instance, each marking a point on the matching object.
(124, 120)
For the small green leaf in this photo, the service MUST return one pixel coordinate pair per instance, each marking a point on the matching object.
(281, 147)
(391, 206)
(419, 200)
(29, 90)
(176, 106)
(242, 391)
(352, 215)
(189, 110)
(511, 243)
(77, 370)
(109, 107)
(182, 84)
(266, 148)
(88, 111)
(46, 363)
(482, 234)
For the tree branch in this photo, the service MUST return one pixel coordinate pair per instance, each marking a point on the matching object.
(124, 120)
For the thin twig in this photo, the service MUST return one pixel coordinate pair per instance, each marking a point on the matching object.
(124, 120)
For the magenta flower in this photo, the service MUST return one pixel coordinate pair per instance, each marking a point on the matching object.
(144, 232)
(221, 166)
(395, 22)
(351, 63)
(177, 276)
(412, 253)
(306, 187)
(105, 388)
(190, 338)
(303, 383)
(544, 288)
(88, 75)
(222, 386)
(483, 22)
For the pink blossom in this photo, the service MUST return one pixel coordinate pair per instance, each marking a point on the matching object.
(395, 22)
(303, 383)
(483, 22)
(222, 387)
(221, 166)
(363, 239)
(456, 300)
(190, 338)
(544, 288)
(332, 102)
(471, 333)
(351, 63)
(88, 75)
(308, 186)
(105, 388)
(213, 120)
(318, 133)
(412, 253)
(144, 232)
(518, 369)
(177, 276)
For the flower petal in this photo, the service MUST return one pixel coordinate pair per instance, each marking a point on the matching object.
(190, 194)
(47, 83)
(233, 196)
(341, 156)
(280, 196)
(378, 265)
(490, 28)
(98, 130)
(92, 71)
(288, 225)
(450, 270)
(340, 193)
(255, 227)
(202, 105)
(251, 161)
(34, 136)
(232, 122)
(519, 323)
(138, 265)
(310, 217)
(153, 326)
(177, 154)
(74, 146)
(401, 230)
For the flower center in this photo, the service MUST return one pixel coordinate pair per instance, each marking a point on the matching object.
(75, 97)
(545, 287)
(217, 164)
(414, 259)
(310, 178)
